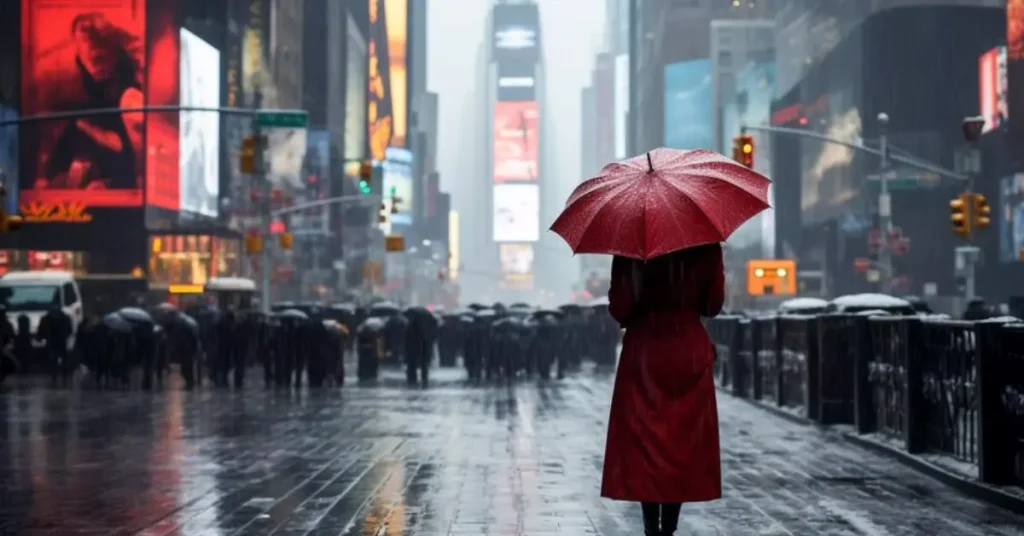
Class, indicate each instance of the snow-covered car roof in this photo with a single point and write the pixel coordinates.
(795, 304)
(873, 300)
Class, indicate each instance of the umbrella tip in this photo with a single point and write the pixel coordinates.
(650, 165)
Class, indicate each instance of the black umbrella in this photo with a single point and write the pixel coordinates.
(477, 306)
(548, 312)
(384, 308)
(520, 305)
(485, 313)
(460, 312)
(135, 315)
(116, 322)
(292, 314)
(164, 308)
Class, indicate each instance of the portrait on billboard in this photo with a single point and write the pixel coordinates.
(993, 88)
(163, 189)
(379, 98)
(1015, 29)
(199, 174)
(79, 56)
(516, 213)
(515, 141)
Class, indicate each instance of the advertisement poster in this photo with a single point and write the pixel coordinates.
(396, 13)
(379, 104)
(516, 33)
(689, 120)
(9, 158)
(993, 88)
(355, 94)
(199, 174)
(163, 154)
(1015, 71)
(516, 213)
(77, 56)
(516, 264)
(398, 183)
(1011, 221)
(515, 141)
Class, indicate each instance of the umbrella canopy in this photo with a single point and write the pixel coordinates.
(484, 313)
(548, 312)
(117, 322)
(384, 308)
(183, 321)
(477, 306)
(520, 305)
(164, 308)
(661, 202)
(136, 315)
(599, 302)
(292, 314)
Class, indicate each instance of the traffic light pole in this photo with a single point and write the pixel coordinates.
(884, 199)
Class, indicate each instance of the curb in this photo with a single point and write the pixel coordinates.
(969, 487)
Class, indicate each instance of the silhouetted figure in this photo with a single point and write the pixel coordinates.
(55, 328)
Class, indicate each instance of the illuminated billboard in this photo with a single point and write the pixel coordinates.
(199, 175)
(516, 213)
(993, 88)
(689, 120)
(516, 33)
(9, 158)
(77, 56)
(516, 265)
(163, 141)
(387, 107)
(1011, 219)
(515, 141)
(355, 93)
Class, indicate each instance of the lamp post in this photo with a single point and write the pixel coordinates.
(884, 207)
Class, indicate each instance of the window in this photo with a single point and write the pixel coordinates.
(29, 297)
(725, 58)
(70, 296)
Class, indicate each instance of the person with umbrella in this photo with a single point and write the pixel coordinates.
(55, 328)
(663, 216)
(144, 336)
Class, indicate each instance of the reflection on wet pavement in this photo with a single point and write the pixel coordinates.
(449, 460)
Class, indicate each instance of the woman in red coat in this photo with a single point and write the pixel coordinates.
(662, 445)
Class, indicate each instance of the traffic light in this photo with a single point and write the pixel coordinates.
(247, 158)
(382, 214)
(743, 150)
(960, 215)
(285, 240)
(8, 222)
(253, 243)
(981, 212)
(394, 243)
(365, 176)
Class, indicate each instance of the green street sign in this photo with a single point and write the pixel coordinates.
(282, 119)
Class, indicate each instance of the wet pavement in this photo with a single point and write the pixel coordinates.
(448, 460)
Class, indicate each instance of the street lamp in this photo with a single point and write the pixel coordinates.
(884, 206)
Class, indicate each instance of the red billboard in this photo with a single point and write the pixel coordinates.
(992, 88)
(515, 141)
(163, 145)
(81, 55)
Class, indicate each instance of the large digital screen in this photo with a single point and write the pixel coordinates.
(396, 13)
(516, 33)
(199, 174)
(387, 107)
(163, 155)
(355, 94)
(398, 182)
(515, 141)
(76, 56)
(516, 264)
(1011, 221)
(516, 213)
(689, 117)
(992, 88)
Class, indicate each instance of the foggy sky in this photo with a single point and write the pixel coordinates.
(571, 32)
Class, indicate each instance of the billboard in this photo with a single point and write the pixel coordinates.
(992, 88)
(9, 158)
(1011, 219)
(388, 83)
(621, 107)
(77, 56)
(516, 213)
(516, 36)
(689, 115)
(516, 265)
(396, 18)
(398, 182)
(199, 172)
(355, 93)
(515, 141)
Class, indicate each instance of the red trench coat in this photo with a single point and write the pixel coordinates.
(663, 430)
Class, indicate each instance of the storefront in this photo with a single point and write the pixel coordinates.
(182, 264)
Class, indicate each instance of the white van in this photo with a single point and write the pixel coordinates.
(33, 293)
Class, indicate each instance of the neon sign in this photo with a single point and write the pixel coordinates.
(59, 212)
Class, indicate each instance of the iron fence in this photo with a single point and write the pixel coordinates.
(934, 385)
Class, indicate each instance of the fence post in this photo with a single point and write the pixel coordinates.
(863, 392)
(756, 342)
(995, 455)
(780, 397)
(739, 376)
(811, 370)
(914, 347)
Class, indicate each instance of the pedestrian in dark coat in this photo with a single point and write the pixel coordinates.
(662, 447)
(55, 328)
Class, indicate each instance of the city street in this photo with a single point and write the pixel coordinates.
(448, 460)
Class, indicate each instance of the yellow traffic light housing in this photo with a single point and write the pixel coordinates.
(253, 243)
(286, 240)
(394, 243)
(960, 215)
(743, 150)
(247, 158)
(366, 170)
(382, 214)
(981, 212)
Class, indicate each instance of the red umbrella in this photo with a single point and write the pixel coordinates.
(661, 202)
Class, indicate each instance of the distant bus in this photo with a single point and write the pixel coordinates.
(771, 277)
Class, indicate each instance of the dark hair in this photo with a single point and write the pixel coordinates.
(673, 280)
